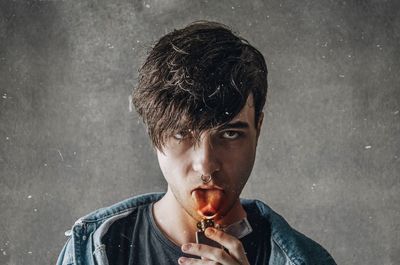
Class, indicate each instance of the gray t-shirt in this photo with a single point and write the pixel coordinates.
(136, 239)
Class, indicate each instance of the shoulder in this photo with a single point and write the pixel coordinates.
(89, 229)
(287, 243)
(121, 207)
(92, 221)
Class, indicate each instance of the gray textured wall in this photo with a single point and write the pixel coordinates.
(329, 156)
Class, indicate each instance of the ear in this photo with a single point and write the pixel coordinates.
(259, 124)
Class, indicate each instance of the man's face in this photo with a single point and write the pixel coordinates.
(226, 153)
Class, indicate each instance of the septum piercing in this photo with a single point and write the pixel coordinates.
(206, 179)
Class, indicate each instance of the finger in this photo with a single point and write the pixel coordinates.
(208, 253)
(191, 261)
(231, 243)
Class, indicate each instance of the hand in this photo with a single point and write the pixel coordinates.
(211, 255)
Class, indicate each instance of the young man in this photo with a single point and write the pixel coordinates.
(201, 94)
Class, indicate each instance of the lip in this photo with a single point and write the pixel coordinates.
(208, 187)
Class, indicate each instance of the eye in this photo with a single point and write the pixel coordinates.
(179, 136)
(230, 135)
(182, 136)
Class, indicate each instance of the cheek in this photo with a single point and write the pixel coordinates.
(172, 167)
(241, 156)
(239, 164)
(163, 162)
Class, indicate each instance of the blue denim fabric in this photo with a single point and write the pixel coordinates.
(84, 246)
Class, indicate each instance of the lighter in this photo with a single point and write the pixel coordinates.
(201, 238)
(238, 229)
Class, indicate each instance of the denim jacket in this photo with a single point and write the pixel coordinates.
(84, 245)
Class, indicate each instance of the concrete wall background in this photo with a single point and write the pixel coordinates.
(329, 154)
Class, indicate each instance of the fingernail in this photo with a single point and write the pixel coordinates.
(186, 247)
(182, 260)
(209, 231)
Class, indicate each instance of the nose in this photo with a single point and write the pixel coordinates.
(205, 157)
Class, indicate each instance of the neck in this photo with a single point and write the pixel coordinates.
(180, 227)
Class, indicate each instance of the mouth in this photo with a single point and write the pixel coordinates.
(208, 200)
(208, 187)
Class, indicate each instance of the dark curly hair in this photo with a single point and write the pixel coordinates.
(197, 78)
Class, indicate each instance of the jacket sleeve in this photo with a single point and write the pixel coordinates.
(66, 254)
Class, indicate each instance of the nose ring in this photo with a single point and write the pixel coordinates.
(206, 179)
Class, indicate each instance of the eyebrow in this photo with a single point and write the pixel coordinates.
(235, 125)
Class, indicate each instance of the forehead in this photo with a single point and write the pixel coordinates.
(245, 115)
